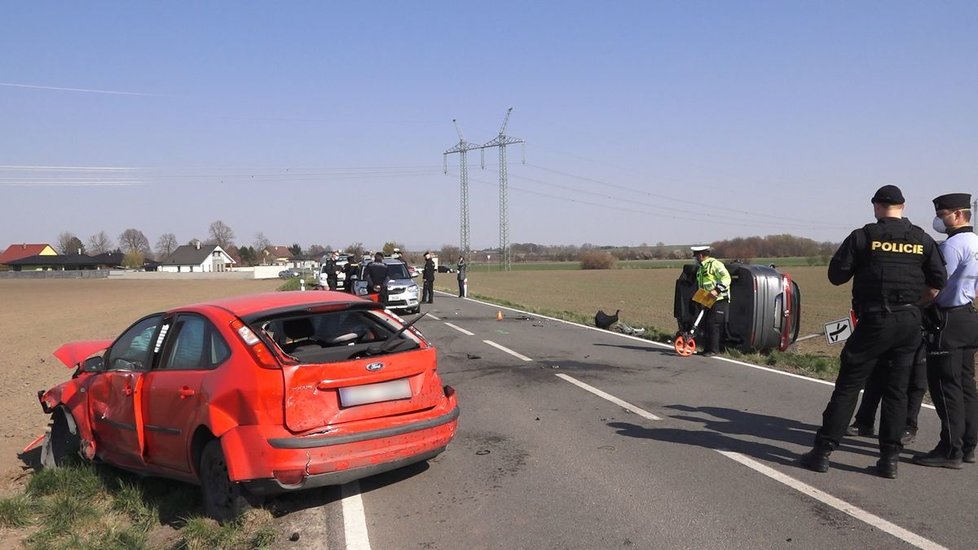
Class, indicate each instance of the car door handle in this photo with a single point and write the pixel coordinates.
(186, 392)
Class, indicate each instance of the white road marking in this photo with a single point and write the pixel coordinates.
(623, 404)
(838, 504)
(662, 345)
(507, 350)
(354, 518)
(460, 329)
(432, 317)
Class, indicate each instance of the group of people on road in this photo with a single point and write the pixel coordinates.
(428, 278)
(916, 327)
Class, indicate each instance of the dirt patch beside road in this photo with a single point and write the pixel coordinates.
(38, 316)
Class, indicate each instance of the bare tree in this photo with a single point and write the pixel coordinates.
(391, 246)
(355, 249)
(100, 243)
(316, 250)
(165, 245)
(133, 240)
(449, 253)
(221, 235)
(69, 243)
(261, 242)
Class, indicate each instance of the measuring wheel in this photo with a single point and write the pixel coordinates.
(684, 344)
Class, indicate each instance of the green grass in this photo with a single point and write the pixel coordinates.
(96, 507)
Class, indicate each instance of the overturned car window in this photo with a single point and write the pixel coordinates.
(337, 335)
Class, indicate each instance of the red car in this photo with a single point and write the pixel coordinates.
(254, 395)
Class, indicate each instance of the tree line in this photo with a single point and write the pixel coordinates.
(136, 250)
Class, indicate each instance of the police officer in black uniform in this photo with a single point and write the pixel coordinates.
(895, 267)
(376, 275)
(329, 267)
(428, 278)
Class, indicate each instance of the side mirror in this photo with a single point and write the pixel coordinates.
(93, 364)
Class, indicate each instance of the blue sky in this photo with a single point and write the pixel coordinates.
(326, 122)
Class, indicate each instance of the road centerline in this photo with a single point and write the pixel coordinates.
(607, 396)
(460, 329)
(507, 350)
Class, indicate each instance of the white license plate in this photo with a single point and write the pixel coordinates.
(375, 393)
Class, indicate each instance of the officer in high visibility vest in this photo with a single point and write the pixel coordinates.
(895, 268)
(713, 277)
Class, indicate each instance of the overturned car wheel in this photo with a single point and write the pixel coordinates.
(224, 500)
(61, 445)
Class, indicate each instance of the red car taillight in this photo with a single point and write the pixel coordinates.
(263, 356)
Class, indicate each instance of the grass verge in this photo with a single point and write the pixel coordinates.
(97, 507)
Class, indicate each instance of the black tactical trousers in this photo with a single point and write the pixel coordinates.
(951, 378)
(714, 321)
(893, 337)
(873, 393)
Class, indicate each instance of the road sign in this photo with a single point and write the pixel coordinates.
(839, 331)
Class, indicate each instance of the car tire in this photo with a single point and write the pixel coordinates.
(224, 500)
(62, 444)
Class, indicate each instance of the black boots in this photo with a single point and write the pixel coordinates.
(886, 466)
(816, 459)
(940, 458)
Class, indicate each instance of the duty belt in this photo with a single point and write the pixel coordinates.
(952, 308)
(889, 308)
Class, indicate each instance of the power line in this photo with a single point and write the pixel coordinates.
(501, 141)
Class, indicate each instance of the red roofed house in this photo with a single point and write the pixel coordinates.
(19, 251)
(276, 255)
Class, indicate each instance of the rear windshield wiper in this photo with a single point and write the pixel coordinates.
(392, 341)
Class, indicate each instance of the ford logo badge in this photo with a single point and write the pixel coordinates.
(374, 367)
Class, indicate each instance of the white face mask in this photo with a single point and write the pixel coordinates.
(938, 225)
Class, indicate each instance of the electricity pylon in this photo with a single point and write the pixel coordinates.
(462, 148)
(501, 141)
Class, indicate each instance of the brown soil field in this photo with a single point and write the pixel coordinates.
(38, 316)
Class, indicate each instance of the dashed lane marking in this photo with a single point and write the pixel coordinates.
(460, 329)
(507, 350)
(623, 404)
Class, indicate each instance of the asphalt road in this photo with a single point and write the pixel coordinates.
(571, 437)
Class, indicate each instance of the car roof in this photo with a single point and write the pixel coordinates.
(250, 304)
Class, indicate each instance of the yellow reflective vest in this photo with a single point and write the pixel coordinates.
(711, 272)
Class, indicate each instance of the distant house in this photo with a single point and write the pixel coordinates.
(20, 251)
(277, 255)
(197, 258)
(67, 262)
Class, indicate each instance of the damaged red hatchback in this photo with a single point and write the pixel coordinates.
(253, 396)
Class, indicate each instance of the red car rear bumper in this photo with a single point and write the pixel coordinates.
(273, 463)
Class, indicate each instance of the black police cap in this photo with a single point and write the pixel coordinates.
(888, 194)
(952, 201)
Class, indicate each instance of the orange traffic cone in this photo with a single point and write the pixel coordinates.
(499, 315)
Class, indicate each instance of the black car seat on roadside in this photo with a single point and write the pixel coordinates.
(300, 332)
